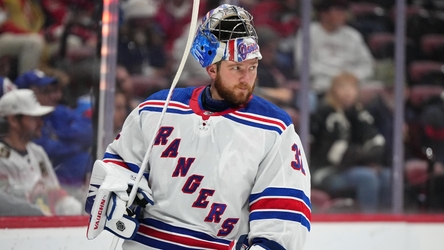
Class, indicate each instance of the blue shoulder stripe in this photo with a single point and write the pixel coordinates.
(281, 192)
(255, 123)
(264, 108)
(262, 114)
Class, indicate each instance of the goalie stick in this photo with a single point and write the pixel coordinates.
(193, 26)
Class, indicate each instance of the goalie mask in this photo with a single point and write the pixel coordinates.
(226, 33)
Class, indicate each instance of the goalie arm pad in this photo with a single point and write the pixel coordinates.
(107, 200)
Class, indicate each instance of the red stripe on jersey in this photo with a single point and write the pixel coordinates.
(231, 50)
(162, 103)
(292, 205)
(177, 239)
(261, 119)
(120, 163)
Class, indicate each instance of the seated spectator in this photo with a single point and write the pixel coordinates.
(275, 81)
(381, 108)
(432, 124)
(26, 172)
(125, 84)
(124, 100)
(334, 47)
(10, 204)
(67, 136)
(20, 24)
(432, 138)
(69, 25)
(121, 108)
(141, 46)
(347, 149)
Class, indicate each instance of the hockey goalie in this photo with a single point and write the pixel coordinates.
(226, 169)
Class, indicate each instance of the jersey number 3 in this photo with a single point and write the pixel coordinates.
(297, 164)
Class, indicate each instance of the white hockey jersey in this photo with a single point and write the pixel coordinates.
(216, 176)
(27, 175)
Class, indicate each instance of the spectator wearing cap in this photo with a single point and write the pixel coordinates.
(67, 136)
(26, 172)
(335, 47)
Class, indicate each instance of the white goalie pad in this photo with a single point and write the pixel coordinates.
(106, 178)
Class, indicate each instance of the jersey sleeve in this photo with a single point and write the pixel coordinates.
(129, 147)
(280, 208)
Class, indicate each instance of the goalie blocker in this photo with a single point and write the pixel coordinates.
(107, 200)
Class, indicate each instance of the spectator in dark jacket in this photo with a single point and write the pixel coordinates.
(347, 149)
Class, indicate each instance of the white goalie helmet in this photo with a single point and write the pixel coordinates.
(226, 33)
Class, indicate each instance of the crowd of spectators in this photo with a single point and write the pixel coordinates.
(52, 47)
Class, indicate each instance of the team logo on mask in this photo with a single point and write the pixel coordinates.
(242, 49)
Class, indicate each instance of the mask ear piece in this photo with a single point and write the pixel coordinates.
(207, 49)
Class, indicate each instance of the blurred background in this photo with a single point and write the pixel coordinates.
(365, 92)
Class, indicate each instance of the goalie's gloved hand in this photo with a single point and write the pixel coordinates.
(257, 244)
(142, 197)
(107, 200)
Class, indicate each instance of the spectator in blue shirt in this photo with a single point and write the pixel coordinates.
(67, 136)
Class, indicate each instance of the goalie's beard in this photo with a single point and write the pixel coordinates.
(230, 94)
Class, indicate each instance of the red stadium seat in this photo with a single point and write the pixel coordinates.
(360, 9)
(381, 44)
(432, 45)
(422, 72)
(416, 171)
(421, 21)
(420, 93)
(369, 18)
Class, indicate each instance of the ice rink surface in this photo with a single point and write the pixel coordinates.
(331, 234)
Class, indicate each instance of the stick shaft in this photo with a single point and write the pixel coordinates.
(165, 106)
(193, 25)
